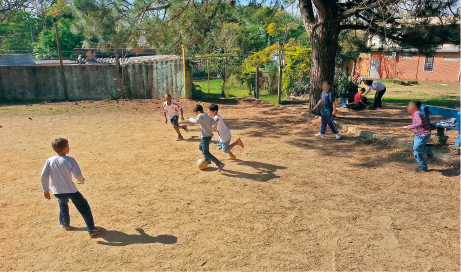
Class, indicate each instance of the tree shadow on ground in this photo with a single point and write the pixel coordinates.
(118, 238)
(219, 101)
(265, 171)
(446, 172)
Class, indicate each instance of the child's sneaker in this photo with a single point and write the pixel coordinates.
(338, 136)
(419, 169)
(95, 232)
(220, 167)
(66, 227)
(232, 157)
(240, 143)
(180, 137)
(320, 135)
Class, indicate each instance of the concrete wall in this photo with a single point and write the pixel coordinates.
(85, 82)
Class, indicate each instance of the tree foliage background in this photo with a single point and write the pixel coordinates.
(323, 32)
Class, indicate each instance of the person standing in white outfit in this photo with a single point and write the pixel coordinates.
(379, 89)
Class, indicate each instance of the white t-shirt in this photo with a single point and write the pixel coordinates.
(171, 110)
(377, 84)
(56, 175)
(224, 132)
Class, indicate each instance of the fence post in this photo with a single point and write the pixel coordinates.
(279, 89)
(184, 69)
(256, 92)
(208, 70)
(63, 76)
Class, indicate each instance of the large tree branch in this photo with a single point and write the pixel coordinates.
(307, 12)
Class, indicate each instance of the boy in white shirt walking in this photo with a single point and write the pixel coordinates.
(170, 110)
(57, 175)
(224, 133)
(206, 126)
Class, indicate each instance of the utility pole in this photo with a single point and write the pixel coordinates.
(63, 76)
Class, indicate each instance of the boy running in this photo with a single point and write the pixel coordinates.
(57, 175)
(327, 100)
(224, 133)
(206, 126)
(422, 133)
(170, 109)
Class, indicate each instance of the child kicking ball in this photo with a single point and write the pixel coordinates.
(206, 126)
(170, 110)
(224, 133)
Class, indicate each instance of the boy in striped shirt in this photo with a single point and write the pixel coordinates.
(422, 133)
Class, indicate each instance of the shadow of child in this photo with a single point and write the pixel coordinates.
(118, 238)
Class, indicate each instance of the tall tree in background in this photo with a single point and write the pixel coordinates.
(422, 24)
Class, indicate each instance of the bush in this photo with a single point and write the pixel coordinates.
(343, 84)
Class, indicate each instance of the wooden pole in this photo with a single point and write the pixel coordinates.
(208, 70)
(279, 85)
(256, 94)
(61, 65)
(184, 68)
(119, 78)
(223, 93)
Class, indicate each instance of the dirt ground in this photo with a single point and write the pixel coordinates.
(290, 202)
(388, 122)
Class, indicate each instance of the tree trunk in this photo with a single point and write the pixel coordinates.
(323, 30)
(324, 39)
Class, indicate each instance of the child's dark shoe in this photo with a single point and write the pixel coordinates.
(95, 232)
(66, 227)
(419, 169)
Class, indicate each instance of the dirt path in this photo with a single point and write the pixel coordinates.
(291, 201)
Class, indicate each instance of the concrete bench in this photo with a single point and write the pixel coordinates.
(427, 111)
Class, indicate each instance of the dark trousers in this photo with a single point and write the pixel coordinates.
(205, 148)
(378, 96)
(328, 120)
(80, 203)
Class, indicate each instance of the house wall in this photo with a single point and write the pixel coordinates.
(85, 82)
(402, 68)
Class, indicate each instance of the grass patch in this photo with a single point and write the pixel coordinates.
(234, 91)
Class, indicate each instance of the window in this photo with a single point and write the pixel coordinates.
(388, 55)
(429, 64)
(450, 57)
(407, 56)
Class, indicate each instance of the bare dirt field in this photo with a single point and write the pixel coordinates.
(290, 202)
(388, 122)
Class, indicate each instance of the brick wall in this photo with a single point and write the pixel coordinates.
(412, 68)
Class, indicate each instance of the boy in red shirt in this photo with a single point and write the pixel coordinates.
(360, 100)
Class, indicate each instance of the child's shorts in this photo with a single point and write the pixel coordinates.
(223, 146)
(175, 120)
